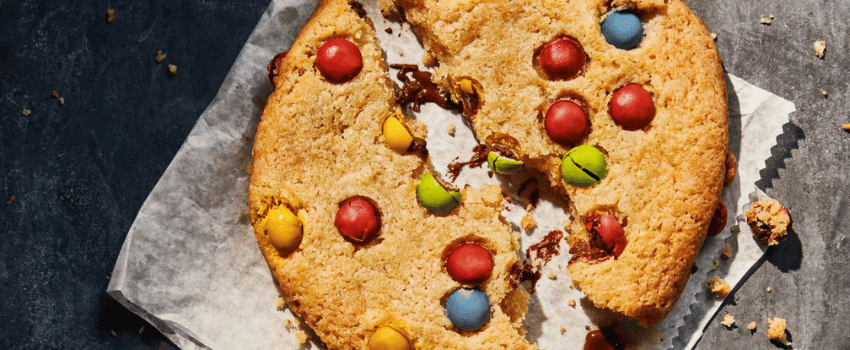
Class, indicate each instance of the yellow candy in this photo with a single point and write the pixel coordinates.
(387, 338)
(284, 229)
(466, 86)
(397, 137)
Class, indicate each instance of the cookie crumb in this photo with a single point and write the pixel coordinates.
(719, 287)
(766, 21)
(142, 330)
(528, 222)
(776, 330)
(752, 327)
(768, 289)
(824, 93)
(26, 112)
(110, 16)
(552, 275)
(727, 251)
(428, 60)
(571, 302)
(114, 334)
(714, 36)
(61, 101)
(452, 129)
(289, 325)
(562, 329)
(281, 304)
(159, 57)
(728, 321)
(172, 70)
(54, 94)
(820, 47)
(769, 221)
(846, 126)
(60, 155)
(301, 337)
(11, 200)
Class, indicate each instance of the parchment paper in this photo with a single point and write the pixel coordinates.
(190, 264)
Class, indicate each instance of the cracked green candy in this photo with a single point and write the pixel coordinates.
(434, 197)
(583, 166)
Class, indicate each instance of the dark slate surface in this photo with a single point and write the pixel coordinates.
(80, 172)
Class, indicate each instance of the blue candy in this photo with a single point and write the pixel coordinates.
(622, 29)
(468, 309)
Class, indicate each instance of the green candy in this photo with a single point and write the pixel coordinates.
(434, 197)
(584, 166)
(503, 165)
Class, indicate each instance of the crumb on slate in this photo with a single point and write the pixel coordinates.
(110, 16)
(728, 321)
(719, 287)
(824, 93)
(54, 94)
(11, 200)
(159, 57)
(752, 326)
(714, 36)
(846, 126)
(776, 330)
(141, 330)
(766, 21)
(25, 112)
(820, 47)
(768, 289)
(61, 101)
(172, 70)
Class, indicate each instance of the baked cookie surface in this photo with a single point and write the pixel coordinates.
(323, 141)
(664, 175)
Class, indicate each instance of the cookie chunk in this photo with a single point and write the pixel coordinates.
(622, 104)
(769, 220)
(333, 200)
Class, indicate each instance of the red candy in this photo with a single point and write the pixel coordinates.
(612, 233)
(718, 221)
(469, 263)
(274, 65)
(357, 220)
(339, 60)
(632, 107)
(561, 59)
(565, 122)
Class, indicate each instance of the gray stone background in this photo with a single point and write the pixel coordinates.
(79, 172)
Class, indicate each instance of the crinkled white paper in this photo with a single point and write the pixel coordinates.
(190, 263)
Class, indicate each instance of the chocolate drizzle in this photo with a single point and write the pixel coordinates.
(479, 157)
(542, 253)
(274, 66)
(418, 88)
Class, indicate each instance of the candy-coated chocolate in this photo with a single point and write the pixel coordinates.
(612, 233)
(469, 263)
(435, 197)
(623, 29)
(718, 221)
(503, 165)
(468, 309)
(275, 64)
(631, 107)
(358, 220)
(565, 122)
(284, 229)
(561, 59)
(584, 166)
(396, 135)
(339, 60)
(388, 338)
